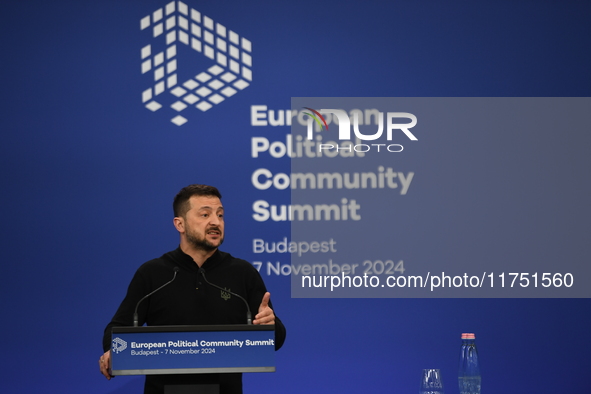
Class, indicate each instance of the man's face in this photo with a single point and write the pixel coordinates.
(204, 223)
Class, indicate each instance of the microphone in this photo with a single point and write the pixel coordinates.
(135, 316)
(248, 314)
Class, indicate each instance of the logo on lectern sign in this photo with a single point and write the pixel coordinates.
(178, 36)
(118, 345)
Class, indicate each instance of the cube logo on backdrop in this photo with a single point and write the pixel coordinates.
(180, 35)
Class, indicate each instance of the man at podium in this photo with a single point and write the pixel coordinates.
(197, 269)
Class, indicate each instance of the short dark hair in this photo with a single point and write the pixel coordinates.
(181, 204)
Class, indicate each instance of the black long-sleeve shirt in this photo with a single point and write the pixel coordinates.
(189, 300)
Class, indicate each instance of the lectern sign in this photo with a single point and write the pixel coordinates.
(192, 349)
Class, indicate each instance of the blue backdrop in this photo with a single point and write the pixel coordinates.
(89, 173)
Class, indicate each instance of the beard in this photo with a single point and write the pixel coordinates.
(201, 243)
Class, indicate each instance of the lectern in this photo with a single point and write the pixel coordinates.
(154, 350)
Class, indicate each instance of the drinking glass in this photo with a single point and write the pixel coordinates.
(431, 382)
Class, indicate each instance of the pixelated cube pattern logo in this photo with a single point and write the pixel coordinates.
(119, 345)
(176, 24)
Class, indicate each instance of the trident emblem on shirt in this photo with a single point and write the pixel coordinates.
(225, 295)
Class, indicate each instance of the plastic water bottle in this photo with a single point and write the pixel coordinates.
(469, 373)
